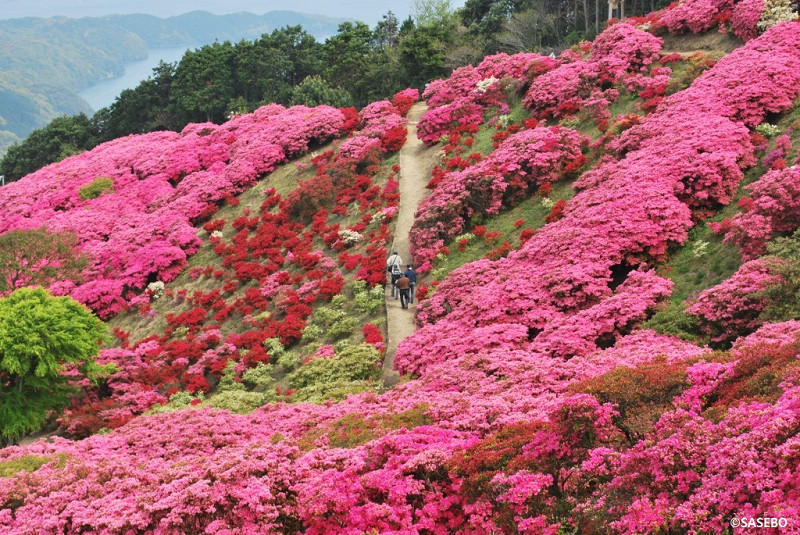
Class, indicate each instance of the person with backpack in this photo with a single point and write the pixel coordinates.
(412, 277)
(393, 264)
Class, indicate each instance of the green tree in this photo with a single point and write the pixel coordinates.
(422, 54)
(314, 91)
(40, 336)
(268, 68)
(37, 257)
(204, 83)
(145, 108)
(62, 137)
(346, 56)
(432, 12)
(386, 32)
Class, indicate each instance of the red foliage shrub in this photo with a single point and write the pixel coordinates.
(351, 120)
(499, 252)
(557, 212)
(211, 226)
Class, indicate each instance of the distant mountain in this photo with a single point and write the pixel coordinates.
(45, 63)
(204, 27)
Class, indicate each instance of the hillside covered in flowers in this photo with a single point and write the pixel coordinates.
(607, 335)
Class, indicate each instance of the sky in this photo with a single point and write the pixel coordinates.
(369, 11)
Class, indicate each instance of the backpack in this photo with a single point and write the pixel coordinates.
(396, 270)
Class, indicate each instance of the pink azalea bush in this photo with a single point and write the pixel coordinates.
(163, 183)
(620, 49)
(746, 14)
(623, 47)
(518, 66)
(520, 164)
(440, 120)
(775, 208)
(459, 100)
(566, 85)
(695, 16)
(732, 307)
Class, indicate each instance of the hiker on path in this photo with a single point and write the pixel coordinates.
(412, 276)
(393, 266)
(404, 284)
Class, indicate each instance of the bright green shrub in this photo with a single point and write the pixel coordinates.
(675, 321)
(338, 376)
(367, 300)
(767, 130)
(96, 188)
(315, 91)
(179, 401)
(27, 463)
(238, 401)
(39, 336)
(259, 378)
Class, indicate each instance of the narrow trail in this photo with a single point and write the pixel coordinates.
(416, 161)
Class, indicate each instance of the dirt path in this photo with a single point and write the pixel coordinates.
(416, 162)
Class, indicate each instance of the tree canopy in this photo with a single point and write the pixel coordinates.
(41, 338)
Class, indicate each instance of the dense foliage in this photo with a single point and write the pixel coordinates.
(46, 343)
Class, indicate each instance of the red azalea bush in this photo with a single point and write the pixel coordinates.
(403, 100)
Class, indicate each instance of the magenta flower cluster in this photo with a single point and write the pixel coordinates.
(162, 183)
(521, 163)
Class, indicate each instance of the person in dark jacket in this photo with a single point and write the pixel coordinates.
(403, 284)
(412, 276)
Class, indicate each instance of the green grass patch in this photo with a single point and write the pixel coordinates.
(96, 188)
(28, 463)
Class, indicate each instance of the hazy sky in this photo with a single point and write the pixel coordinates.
(368, 11)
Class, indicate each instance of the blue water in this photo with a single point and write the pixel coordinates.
(103, 94)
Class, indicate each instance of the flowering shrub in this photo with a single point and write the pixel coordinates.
(460, 101)
(520, 66)
(162, 183)
(538, 407)
(438, 121)
(696, 16)
(403, 100)
(775, 12)
(521, 164)
(567, 85)
(622, 48)
(732, 307)
(774, 207)
(746, 15)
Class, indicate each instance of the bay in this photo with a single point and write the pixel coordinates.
(103, 94)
